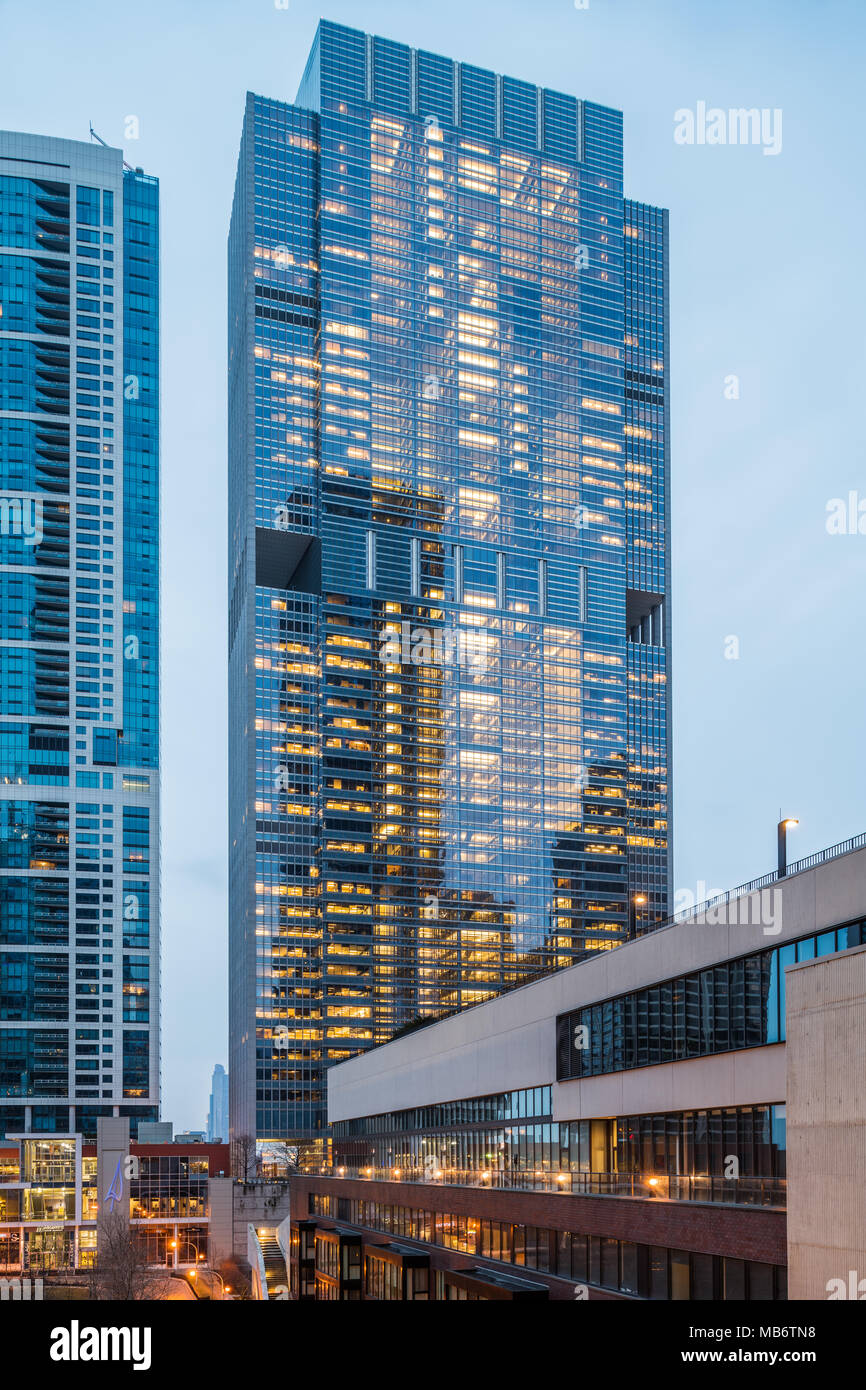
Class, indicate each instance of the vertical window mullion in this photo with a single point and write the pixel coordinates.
(415, 567)
(371, 559)
(501, 579)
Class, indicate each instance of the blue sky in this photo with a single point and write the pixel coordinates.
(766, 284)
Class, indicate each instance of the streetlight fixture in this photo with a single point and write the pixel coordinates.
(200, 1259)
(782, 840)
(198, 1254)
(637, 900)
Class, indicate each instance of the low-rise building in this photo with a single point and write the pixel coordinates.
(50, 1200)
(618, 1129)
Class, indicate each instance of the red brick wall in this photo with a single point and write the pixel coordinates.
(746, 1233)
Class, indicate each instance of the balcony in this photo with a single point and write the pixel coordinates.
(742, 1192)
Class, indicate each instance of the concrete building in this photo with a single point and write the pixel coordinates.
(826, 1082)
(618, 1129)
(251, 1221)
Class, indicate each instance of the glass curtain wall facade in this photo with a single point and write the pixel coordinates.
(736, 1004)
(79, 661)
(511, 1140)
(647, 473)
(447, 556)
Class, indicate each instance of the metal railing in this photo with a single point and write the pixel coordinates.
(545, 954)
(747, 1191)
(798, 867)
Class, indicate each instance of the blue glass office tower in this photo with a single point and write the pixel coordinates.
(79, 622)
(448, 557)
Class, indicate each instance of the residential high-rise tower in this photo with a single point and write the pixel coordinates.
(79, 657)
(448, 557)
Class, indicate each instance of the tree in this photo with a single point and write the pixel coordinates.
(244, 1158)
(279, 1159)
(235, 1276)
(121, 1271)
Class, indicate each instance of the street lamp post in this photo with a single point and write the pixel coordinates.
(782, 841)
(215, 1272)
(189, 1241)
(637, 900)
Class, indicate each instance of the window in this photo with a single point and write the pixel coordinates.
(733, 1280)
(680, 1283)
(739, 1003)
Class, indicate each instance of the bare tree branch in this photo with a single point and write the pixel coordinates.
(121, 1271)
(279, 1159)
(244, 1158)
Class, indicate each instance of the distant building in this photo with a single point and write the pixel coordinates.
(156, 1132)
(218, 1112)
(190, 1136)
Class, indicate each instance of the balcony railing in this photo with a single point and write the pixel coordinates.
(800, 866)
(745, 1192)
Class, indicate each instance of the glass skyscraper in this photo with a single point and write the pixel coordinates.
(448, 557)
(218, 1110)
(79, 622)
